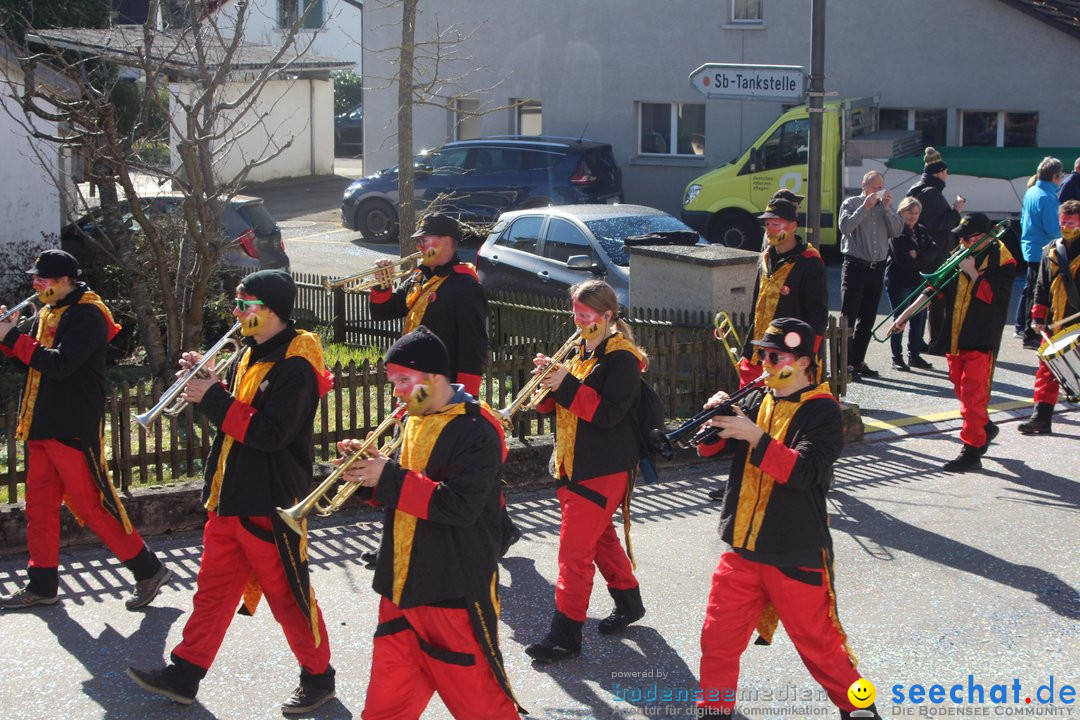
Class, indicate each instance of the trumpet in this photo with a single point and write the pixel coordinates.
(27, 303)
(665, 443)
(317, 499)
(728, 336)
(531, 394)
(367, 279)
(934, 282)
(170, 403)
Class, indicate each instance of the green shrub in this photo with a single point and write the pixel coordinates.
(348, 90)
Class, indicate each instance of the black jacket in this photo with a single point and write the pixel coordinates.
(976, 322)
(902, 270)
(457, 314)
(938, 215)
(792, 520)
(1052, 303)
(270, 462)
(804, 294)
(69, 404)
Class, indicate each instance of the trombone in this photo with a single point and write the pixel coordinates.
(726, 333)
(27, 303)
(317, 500)
(531, 394)
(934, 282)
(367, 279)
(170, 403)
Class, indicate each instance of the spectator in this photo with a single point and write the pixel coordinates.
(867, 221)
(909, 254)
(1038, 226)
(1070, 188)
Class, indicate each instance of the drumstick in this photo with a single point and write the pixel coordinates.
(1061, 322)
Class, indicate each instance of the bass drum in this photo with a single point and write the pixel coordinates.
(1062, 357)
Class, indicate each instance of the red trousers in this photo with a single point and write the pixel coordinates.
(970, 372)
(1046, 385)
(231, 553)
(404, 675)
(53, 471)
(740, 590)
(588, 540)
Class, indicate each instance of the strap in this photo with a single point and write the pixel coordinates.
(1066, 273)
(400, 624)
(579, 489)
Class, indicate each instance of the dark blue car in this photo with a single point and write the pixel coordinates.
(477, 180)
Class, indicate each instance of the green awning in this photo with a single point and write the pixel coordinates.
(1005, 163)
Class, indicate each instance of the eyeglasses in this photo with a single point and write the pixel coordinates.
(773, 356)
(243, 305)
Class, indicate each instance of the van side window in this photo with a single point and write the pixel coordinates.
(522, 234)
(563, 240)
(788, 145)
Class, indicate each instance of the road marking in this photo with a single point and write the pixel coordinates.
(870, 425)
(307, 238)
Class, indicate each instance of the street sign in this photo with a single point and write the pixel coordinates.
(750, 82)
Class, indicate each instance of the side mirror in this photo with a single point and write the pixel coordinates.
(584, 262)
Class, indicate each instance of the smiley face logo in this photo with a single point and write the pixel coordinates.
(862, 693)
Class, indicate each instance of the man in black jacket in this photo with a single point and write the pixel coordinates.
(261, 459)
(775, 520)
(62, 420)
(437, 570)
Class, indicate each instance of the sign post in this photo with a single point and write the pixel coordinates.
(750, 82)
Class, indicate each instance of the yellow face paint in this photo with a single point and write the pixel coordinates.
(776, 239)
(592, 324)
(46, 289)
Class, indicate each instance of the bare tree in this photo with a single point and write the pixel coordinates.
(195, 74)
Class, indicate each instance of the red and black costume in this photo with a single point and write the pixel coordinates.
(449, 301)
(775, 519)
(261, 458)
(790, 284)
(1051, 302)
(974, 318)
(62, 420)
(437, 570)
(596, 454)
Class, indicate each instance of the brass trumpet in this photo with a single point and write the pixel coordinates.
(365, 280)
(170, 402)
(27, 303)
(316, 500)
(531, 394)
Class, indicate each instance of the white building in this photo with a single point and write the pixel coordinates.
(963, 71)
(330, 27)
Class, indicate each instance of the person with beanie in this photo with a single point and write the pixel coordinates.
(437, 567)
(62, 422)
(1056, 298)
(939, 217)
(1038, 227)
(593, 395)
(260, 459)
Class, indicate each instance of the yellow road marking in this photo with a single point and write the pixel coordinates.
(872, 425)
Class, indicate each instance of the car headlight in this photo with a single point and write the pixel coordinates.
(691, 194)
(348, 193)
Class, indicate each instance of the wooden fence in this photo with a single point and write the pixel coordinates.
(686, 365)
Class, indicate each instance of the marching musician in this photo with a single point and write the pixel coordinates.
(1056, 297)
(775, 521)
(261, 458)
(446, 297)
(975, 308)
(62, 420)
(593, 395)
(437, 567)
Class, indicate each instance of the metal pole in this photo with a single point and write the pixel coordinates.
(815, 104)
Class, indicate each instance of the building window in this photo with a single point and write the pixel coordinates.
(466, 118)
(672, 129)
(931, 123)
(528, 117)
(746, 11)
(983, 128)
(290, 10)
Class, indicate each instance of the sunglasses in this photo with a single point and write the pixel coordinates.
(773, 356)
(244, 305)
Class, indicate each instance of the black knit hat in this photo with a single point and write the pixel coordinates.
(933, 162)
(789, 335)
(55, 264)
(420, 350)
(275, 288)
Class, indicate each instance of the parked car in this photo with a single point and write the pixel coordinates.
(546, 250)
(486, 177)
(257, 243)
(349, 130)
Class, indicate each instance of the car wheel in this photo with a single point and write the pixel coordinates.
(735, 230)
(377, 221)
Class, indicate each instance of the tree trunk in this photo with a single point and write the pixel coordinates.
(406, 178)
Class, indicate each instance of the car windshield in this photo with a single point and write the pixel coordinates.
(612, 232)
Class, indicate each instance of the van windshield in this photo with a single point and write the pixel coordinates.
(611, 233)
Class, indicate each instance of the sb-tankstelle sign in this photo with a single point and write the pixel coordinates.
(750, 82)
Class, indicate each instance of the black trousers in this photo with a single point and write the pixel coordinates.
(860, 293)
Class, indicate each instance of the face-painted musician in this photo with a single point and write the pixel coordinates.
(774, 519)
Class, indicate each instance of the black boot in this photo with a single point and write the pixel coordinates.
(563, 641)
(992, 431)
(968, 459)
(510, 533)
(628, 609)
(178, 681)
(1039, 424)
(312, 692)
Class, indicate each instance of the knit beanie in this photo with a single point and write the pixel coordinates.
(420, 350)
(275, 288)
(932, 162)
